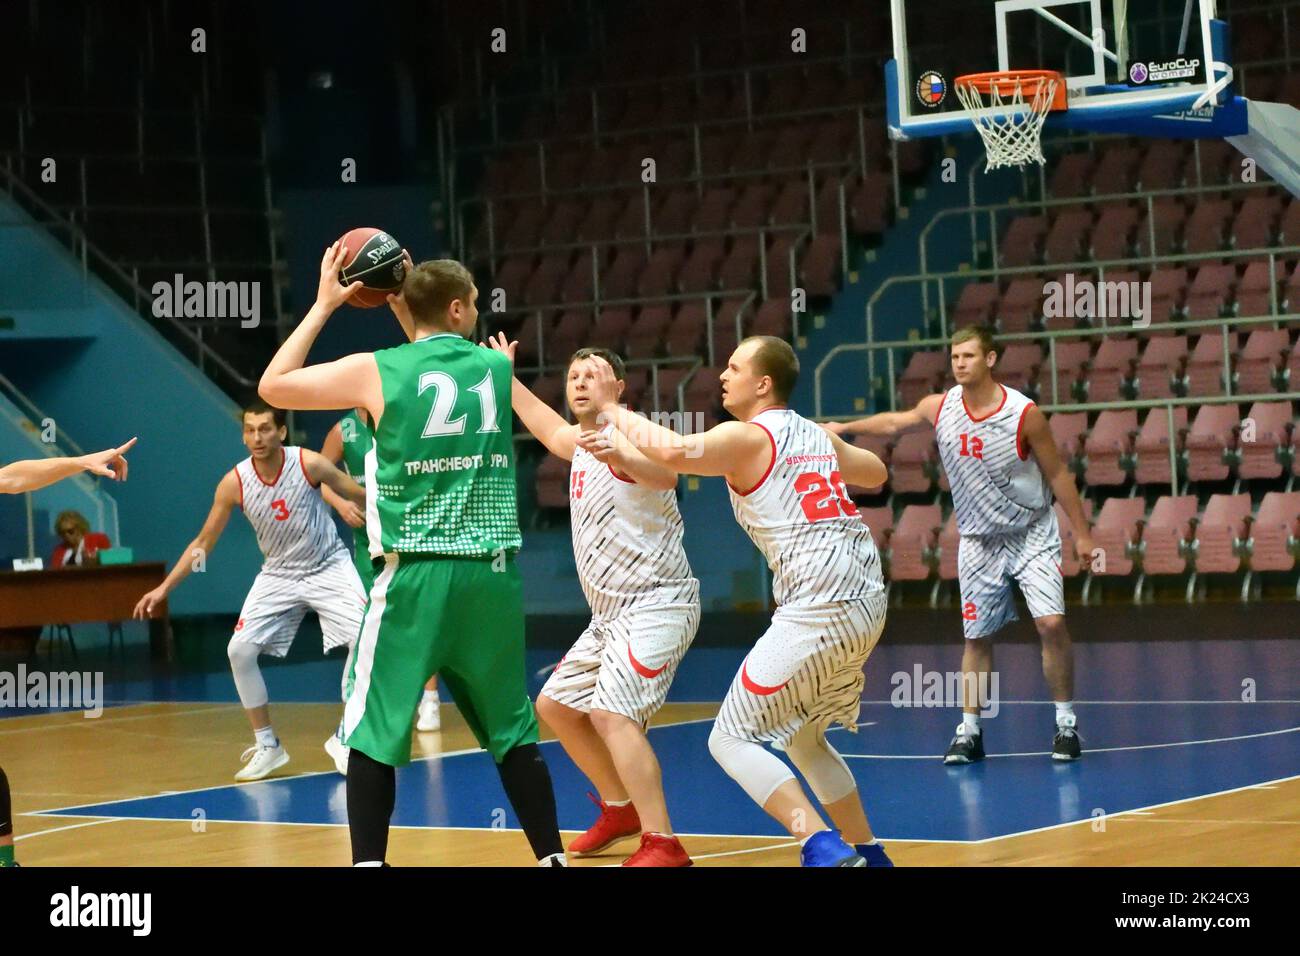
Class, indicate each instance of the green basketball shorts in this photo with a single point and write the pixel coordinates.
(453, 617)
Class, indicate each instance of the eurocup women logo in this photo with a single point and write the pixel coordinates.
(1138, 73)
(931, 89)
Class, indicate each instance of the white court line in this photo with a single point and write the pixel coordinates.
(1122, 813)
(1091, 750)
(295, 776)
(1258, 823)
(103, 720)
(70, 826)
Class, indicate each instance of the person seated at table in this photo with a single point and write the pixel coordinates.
(80, 546)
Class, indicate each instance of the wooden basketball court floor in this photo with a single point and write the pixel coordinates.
(1178, 779)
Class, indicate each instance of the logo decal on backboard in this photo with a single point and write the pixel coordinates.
(931, 89)
(1180, 68)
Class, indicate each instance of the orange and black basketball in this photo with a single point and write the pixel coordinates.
(374, 258)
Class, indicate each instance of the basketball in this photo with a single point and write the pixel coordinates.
(374, 258)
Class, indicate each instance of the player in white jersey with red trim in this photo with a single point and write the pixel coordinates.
(986, 433)
(645, 609)
(306, 567)
(787, 478)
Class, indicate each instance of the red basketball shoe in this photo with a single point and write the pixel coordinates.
(659, 850)
(613, 824)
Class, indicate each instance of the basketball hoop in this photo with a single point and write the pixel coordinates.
(1009, 109)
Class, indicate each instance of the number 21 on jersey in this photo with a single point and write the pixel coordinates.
(445, 391)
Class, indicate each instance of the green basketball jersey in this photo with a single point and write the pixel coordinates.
(357, 441)
(440, 478)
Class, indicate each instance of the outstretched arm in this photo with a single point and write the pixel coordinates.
(542, 421)
(226, 499)
(350, 382)
(21, 476)
(323, 473)
(1038, 437)
(620, 454)
(859, 466)
(891, 424)
(332, 451)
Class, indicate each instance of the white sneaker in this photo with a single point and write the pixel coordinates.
(262, 761)
(429, 716)
(339, 752)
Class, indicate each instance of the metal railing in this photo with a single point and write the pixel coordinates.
(106, 517)
(1228, 325)
(707, 298)
(1100, 267)
(976, 213)
(551, 91)
(209, 361)
(696, 178)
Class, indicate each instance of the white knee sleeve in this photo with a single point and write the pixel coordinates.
(248, 676)
(827, 774)
(749, 764)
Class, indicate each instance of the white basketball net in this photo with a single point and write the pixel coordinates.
(1012, 129)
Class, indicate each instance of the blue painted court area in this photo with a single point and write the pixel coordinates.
(1160, 722)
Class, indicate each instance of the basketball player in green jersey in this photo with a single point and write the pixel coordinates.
(348, 441)
(15, 479)
(441, 516)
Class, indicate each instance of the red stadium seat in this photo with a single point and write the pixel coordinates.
(911, 546)
(1161, 365)
(1262, 357)
(1117, 529)
(1070, 566)
(1112, 366)
(1167, 534)
(552, 483)
(1266, 434)
(914, 461)
(1108, 445)
(1212, 437)
(1068, 430)
(1275, 532)
(881, 523)
(1152, 445)
(1221, 532)
(1205, 366)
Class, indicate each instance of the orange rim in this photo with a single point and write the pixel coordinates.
(1006, 81)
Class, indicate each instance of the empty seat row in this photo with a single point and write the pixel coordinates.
(1261, 361)
(1226, 536)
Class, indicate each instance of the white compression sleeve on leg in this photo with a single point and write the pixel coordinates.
(749, 764)
(248, 676)
(827, 774)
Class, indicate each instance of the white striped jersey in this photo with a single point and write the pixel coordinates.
(995, 486)
(802, 519)
(627, 541)
(292, 522)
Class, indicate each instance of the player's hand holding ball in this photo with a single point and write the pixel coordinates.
(331, 293)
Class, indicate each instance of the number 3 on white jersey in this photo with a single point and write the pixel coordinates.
(444, 401)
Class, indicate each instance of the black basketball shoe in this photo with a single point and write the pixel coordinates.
(1065, 745)
(965, 747)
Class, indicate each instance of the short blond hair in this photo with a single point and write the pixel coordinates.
(982, 333)
(775, 358)
(431, 287)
